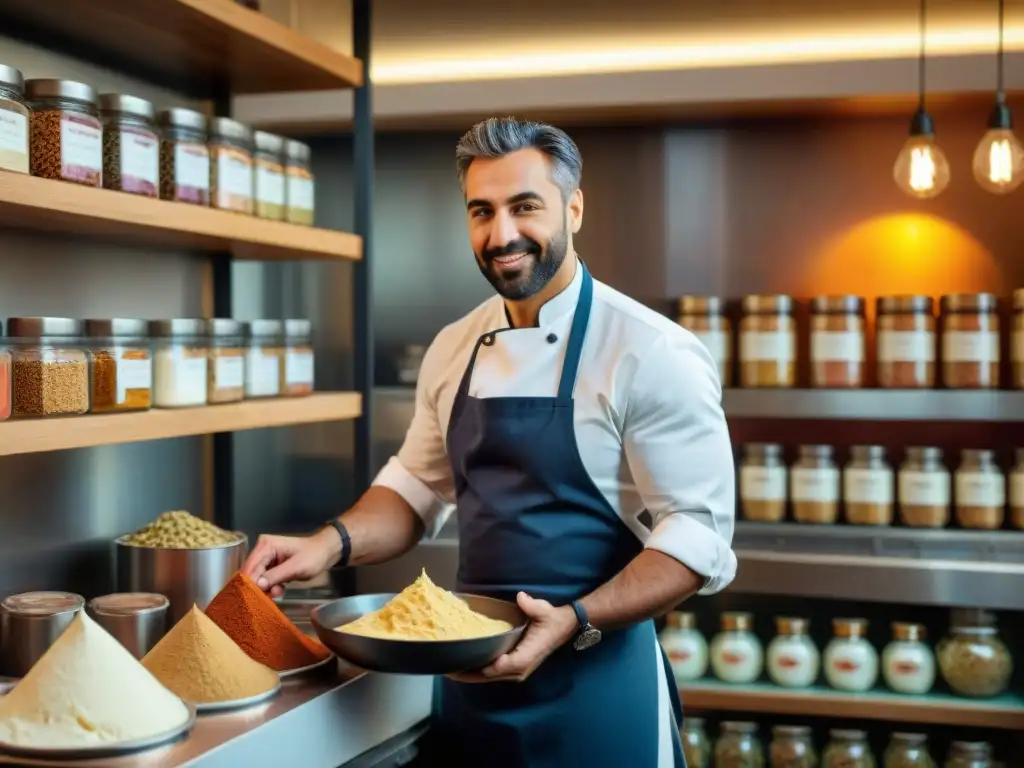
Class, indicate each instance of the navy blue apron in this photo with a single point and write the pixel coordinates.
(531, 519)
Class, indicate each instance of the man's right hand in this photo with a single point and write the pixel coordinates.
(276, 560)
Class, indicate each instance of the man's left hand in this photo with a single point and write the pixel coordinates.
(548, 630)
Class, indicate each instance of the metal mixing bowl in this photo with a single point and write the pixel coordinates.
(415, 657)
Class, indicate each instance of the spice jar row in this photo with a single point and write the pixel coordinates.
(793, 746)
(972, 659)
(869, 491)
(961, 349)
(63, 130)
(58, 366)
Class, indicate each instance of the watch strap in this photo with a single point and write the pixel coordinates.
(581, 614)
(346, 540)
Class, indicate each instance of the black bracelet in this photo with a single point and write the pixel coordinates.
(346, 541)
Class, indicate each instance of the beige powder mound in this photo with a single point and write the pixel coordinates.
(201, 664)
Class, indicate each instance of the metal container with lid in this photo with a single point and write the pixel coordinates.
(298, 374)
(120, 365)
(268, 176)
(180, 362)
(137, 619)
(705, 318)
(66, 134)
(184, 156)
(264, 358)
(14, 150)
(231, 165)
(299, 183)
(226, 372)
(49, 367)
(30, 623)
(131, 146)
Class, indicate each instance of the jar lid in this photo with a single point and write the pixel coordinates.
(1018, 299)
(223, 327)
(179, 117)
(298, 329)
(12, 78)
(128, 603)
(916, 739)
(737, 621)
(692, 722)
(700, 305)
(977, 456)
(738, 726)
(792, 625)
(296, 150)
(262, 329)
(117, 326)
(682, 620)
(43, 603)
(35, 327)
(127, 105)
(974, 631)
(763, 450)
(924, 454)
(792, 731)
(177, 327)
(868, 452)
(904, 305)
(977, 748)
(848, 734)
(762, 305)
(838, 305)
(268, 142)
(225, 127)
(51, 88)
(816, 451)
(909, 632)
(849, 627)
(969, 302)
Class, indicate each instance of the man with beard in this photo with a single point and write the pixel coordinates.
(552, 416)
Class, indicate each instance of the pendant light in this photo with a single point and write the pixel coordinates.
(921, 168)
(998, 162)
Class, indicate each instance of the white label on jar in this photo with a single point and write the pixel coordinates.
(814, 484)
(980, 489)
(1017, 489)
(924, 489)
(132, 374)
(81, 148)
(13, 141)
(140, 162)
(234, 176)
(191, 169)
(262, 375)
(300, 192)
(841, 346)
(762, 483)
(868, 486)
(906, 347)
(298, 368)
(773, 346)
(229, 372)
(716, 342)
(187, 380)
(1017, 347)
(269, 185)
(970, 347)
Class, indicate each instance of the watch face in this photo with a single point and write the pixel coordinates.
(587, 638)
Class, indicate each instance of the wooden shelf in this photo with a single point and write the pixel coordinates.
(198, 46)
(55, 206)
(1006, 711)
(37, 435)
(874, 404)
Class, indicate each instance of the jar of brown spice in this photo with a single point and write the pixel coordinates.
(763, 483)
(980, 490)
(924, 488)
(65, 129)
(868, 487)
(1017, 491)
(970, 341)
(814, 485)
(131, 148)
(120, 365)
(905, 342)
(837, 341)
(231, 166)
(704, 317)
(184, 157)
(1017, 340)
(767, 342)
(49, 367)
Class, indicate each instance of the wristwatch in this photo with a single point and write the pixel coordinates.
(346, 541)
(589, 635)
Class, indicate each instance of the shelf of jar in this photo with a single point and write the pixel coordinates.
(56, 434)
(199, 47)
(875, 404)
(1006, 711)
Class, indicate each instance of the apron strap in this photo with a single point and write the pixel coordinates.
(574, 347)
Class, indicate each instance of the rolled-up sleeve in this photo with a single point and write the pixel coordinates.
(680, 456)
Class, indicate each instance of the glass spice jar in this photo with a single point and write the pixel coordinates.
(14, 120)
(793, 658)
(905, 342)
(838, 339)
(974, 661)
(969, 754)
(298, 358)
(299, 183)
(970, 341)
(226, 372)
(767, 342)
(131, 147)
(268, 176)
(1016, 339)
(763, 483)
(738, 747)
(696, 747)
(1017, 491)
(847, 748)
(736, 653)
(5, 383)
(49, 367)
(704, 317)
(685, 646)
(120, 365)
(924, 489)
(980, 490)
(184, 157)
(180, 362)
(792, 747)
(264, 358)
(851, 662)
(908, 750)
(66, 136)
(908, 664)
(868, 487)
(814, 486)
(231, 163)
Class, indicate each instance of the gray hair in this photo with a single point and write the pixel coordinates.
(500, 136)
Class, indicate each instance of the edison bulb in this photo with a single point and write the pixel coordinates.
(999, 161)
(921, 169)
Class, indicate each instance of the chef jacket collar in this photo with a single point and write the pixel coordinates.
(557, 307)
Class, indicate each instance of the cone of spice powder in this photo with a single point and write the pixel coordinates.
(253, 620)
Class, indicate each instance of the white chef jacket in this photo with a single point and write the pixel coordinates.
(649, 422)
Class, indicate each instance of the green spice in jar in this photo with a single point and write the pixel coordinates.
(848, 749)
(908, 750)
(792, 747)
(180, 530)
(738, 747)
(696, 748)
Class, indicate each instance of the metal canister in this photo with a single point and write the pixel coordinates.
(137, 619)
(30, 623)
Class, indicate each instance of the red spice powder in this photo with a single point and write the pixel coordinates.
(252, 619)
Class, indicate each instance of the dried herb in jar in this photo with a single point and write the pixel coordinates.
(184, 157)
(131, 149)
(66, 135)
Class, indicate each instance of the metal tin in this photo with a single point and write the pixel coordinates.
(30, 623)
(137, 619)
(232, 131)
(12, 80)
(180, 118)
(125, 104)
(50, 88)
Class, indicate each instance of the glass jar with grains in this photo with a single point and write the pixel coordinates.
(49, 367)
(868, 487)
(974, 661)
(14, 119)
(763, 483)
(696, 747)
(226, 372)
(184, 157)
(298, 192)
(970, 754)
(851, 661)
(905, 342)
(970, 341)
(738, 747)
(66, 134)
(704, 317)
(264, 357)
(298, 357)
(230, 165)
(814, 486)
(685, 646)
(268, 178)
(847, 748)
(1017, 491)
(793, 658)
(792, 747)
(838, 338)
(120, 365)
(979, 490)
(1016, 339)
(908, 750)
(767, 342)
(131, 147)
(180, 362)
(908, 664)
(924, 488)
(736, 654)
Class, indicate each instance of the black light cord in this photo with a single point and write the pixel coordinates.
(921, 57)
(1000, 94)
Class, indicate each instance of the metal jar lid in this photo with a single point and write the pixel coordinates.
(226, 128)
(912, 739)
(909, 632)
(868, 452)
(848, 734)
(738, 726)
(700, 305)
(849, 627)
(924, 454)
(764, 451)
(51, 88)
(43, 603)
(822, 452)
(179, 117)
(682, 620)
(298, 329)
(297, 151)
(12, 79)
(268, 142)
(223, 328)
(979, 456)
(792, 625)
(127, 105)
(969, 302)
(128, 604)
(177, 327)
(737, 621)
(837, 305)
(904, 305)
(37, 327)
(263, 329)
(119, 327)
(792, 731)
(767, 305)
